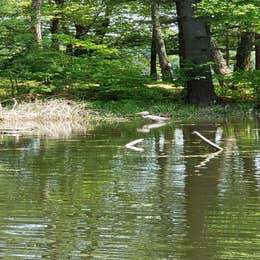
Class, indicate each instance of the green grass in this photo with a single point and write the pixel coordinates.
(180, 111)
(169, 102)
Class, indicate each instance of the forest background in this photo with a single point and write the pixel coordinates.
(130, 54)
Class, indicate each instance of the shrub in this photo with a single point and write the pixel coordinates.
(248, 82)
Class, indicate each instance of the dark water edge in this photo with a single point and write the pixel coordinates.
(88, 197)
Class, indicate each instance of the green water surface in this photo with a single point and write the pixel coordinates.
(89, 197)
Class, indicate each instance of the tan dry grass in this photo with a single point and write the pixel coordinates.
(53, 118)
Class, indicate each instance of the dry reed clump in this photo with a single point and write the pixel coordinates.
(53, 117)
(51, 110)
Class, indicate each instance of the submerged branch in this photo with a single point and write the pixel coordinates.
(132, 146)
(209, 157)
(208, 141)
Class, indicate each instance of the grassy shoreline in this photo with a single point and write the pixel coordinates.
(96, 111)
(80, 111)
(180, 111)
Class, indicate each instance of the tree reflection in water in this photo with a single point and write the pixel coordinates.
(88, 196)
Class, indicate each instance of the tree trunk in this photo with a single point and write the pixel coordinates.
(81, 32)
(220, 66)
(69, 46)
(257, 51)
(216, 56)
(153, 67)
(165, 65)
(194, 44)
(244, 49)
(54, 29)
(102, 29)
(227, 47)
(69, 49)
(36, 20)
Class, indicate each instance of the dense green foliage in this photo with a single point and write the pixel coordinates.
(44, 69)
(229, 22)
(239, 14)
(95, 49)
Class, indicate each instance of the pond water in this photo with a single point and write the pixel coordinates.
(89, 197)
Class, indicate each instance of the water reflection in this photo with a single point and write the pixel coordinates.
(88, 196)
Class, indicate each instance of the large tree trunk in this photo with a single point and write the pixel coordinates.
(244, 50)
(257, 51)
(194, 44)
(153, 67)
(36, 20)
(220, 65)
(165, 65)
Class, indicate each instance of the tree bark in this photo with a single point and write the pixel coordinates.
(153, 67)
(244, 50)
(54, 27)
(81, 32)
(216, 56)
(36, 20)
(165, 65)
(257, 51)
(194, 42)
(220, 65)
(227, 47)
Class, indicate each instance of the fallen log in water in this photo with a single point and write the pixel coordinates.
(208, 141)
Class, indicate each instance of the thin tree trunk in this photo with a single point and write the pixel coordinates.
(227, 49)
(102, 29)
(257, 51)
(65, 30)
(244, 50)
(194, 44)
(36, 20)
(81, 32)
(69, 49)
(54, 29)
(153, 67)
(165, 65)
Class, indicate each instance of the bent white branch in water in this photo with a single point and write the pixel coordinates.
(208, 141)
(132, 144)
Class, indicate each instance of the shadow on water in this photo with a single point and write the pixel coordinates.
(87, 196)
